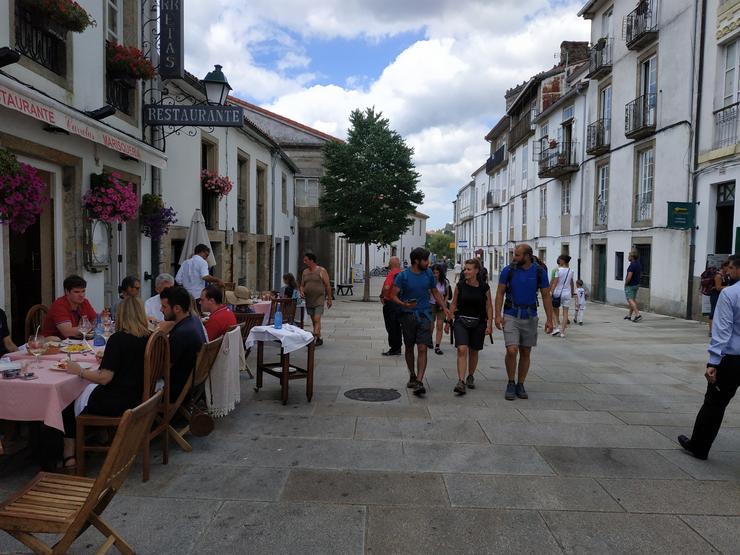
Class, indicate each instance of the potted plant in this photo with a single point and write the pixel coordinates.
(553, 143)
(23, 193)
(127, 62)
(211, 181)
(155, 219)
(110, 199)
(60, 15)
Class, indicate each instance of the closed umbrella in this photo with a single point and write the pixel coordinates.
(197, 235)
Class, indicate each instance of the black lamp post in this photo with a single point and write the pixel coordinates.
(217, 87)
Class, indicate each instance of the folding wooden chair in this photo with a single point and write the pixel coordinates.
(156, 359)
(68, 505)
(34, 319)
(249, 321)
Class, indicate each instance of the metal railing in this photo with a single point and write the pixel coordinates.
(600, 56)
(640, 23)
(558, 157)
(639, 115)
(725, 126)
(598, 135)
(643, 207)
(119, 94)
(36, 41)
(496, 159)
(602, 212)
(521, 130)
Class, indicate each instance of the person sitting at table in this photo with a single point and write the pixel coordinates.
(153, 305)
(221, 318)
(186, 337)
(6, 343)
(119, 382)
(66, 312)
(290, 289)
(130, 287)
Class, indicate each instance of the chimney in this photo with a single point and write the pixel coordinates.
(572, 52)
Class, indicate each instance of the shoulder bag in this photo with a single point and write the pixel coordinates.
(556, 298)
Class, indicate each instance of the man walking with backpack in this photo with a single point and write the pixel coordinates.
(519, 283)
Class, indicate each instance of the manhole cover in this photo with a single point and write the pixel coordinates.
(372, 394)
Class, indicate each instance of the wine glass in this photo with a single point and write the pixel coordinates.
(36, 346)
(85, 327)
(107, 323)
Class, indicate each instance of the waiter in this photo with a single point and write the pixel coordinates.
(723, 368)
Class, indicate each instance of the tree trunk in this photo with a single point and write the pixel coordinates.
(366, 293)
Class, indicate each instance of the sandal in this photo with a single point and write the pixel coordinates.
(70, 469)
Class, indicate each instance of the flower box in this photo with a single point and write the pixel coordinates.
(214, 183)
(127, 62)
(23, 193)
(60, 16)
(110, 199)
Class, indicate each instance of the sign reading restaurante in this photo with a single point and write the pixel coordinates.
(198, 115)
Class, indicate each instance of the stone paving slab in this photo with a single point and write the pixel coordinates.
(728, 439)
(370, 409)
(570, 416)
(721, 465)
(453, 431)
(326, 427)
(723, 532)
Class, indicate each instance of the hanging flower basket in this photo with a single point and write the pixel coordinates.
(23, 193)
(61, 15)
(127, 62)
(111, 200)
(155, 219)
(220, 185)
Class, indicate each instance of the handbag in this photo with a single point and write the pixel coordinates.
(556, 298)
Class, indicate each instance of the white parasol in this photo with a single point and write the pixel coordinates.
(197, 234)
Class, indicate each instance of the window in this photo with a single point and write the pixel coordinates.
(544, 131)
(525, 160)
(284, 194)
(606, 23)
(565, 249)
(307, 192)
(512, 173)
(602, 195)
(569, 112)
(565, 198)
(619, 266)
(208, 199)
(524, 211)
(645, 176)
(605, 103)
(504, 183)
(511, 216)
(543, 202)
(242, 199)
(114, 21)
(649, 76)
(732, 86)
(644, 252)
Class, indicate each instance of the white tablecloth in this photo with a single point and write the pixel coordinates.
(292, 338)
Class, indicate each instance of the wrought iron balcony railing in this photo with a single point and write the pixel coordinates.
(725, 126)
(598, 137)
(558, 159)
(600, 58)
(640, 26)
(639, 116)
(37, 41)
(119, 93)
(496, 160)
(521, 130)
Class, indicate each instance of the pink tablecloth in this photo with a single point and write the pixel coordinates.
(42, 399)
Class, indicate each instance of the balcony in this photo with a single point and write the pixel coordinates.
(119, 93)
(36, 40)
(496, 160)
(602, 212)
(600, 59)
(598, 137)
(558, 159)
(640, 26)
(492, 199)
(725, 126)
(639, 116)
(521, 131)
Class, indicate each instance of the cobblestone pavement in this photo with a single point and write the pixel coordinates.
(588, 464)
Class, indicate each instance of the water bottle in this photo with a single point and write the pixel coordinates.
(278, 318)
(99, 340)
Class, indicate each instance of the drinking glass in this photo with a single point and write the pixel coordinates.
(85, 327)
(36, 346)
(107, 323)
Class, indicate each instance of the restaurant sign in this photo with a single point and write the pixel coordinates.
(171, 62)
(681, 215)
(198, 115)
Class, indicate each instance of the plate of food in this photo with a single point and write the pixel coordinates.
(61, 366)
(75, 349)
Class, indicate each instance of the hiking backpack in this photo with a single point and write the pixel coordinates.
(541, 273)
(706, 285)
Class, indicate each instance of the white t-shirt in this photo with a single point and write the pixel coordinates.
(581, 294)
(564, 284)
(153, 308)
(191, 274)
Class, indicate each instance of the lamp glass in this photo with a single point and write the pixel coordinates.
(217, 87)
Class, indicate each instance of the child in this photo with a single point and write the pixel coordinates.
(580, 302)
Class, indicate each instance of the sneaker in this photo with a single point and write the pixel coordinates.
(460, 388)
(556, 332)
(628, 317)
(412, 381)
(562, 335)
(686, 444)
(637, 318)
(391, 353)
(470, 382)
(510, 391)
(521, 392)
(580, 323)
(419, 389)
(438, 351)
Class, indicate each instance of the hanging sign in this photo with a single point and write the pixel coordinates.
(681, 215)
(200, 115)
(171, 25)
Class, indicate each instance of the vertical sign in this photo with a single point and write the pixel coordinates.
(171, 55)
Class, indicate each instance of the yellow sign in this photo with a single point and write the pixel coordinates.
(452, 245)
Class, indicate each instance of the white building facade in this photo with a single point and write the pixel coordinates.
(415, 236)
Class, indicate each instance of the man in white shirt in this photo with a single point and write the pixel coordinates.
(193, 274)
(153, 305)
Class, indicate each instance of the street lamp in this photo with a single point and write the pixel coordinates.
(217, 87)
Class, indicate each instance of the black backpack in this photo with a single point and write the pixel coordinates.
(541, 273)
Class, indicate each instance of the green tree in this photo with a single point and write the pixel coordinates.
(370, 187)
(438, 242)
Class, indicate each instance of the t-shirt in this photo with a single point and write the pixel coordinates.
(581, 296)
(61, 311)
(442, 288)
(415, 286)
(636, 270)
(219, 322)
(472, 301)
(4, 332)
(564, 284)
(186, 339)
(523, 289)
(191, 274)
(153, 308)
(388, 283)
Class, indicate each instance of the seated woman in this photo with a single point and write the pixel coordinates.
(119, 383)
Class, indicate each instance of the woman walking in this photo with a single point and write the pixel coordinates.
(473, 310)
(562, 291)
(438, 313)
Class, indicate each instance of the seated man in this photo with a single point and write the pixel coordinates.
(186, 337)
(6, 343)
(66, 312)
(221, 317)
(153, 305)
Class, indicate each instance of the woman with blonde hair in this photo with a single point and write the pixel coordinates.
(119, 382)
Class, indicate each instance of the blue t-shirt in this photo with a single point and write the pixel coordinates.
(416, 286)
(636, 270)
(524, 288)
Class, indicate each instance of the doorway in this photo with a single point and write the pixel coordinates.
(725, 218)
(599, 287)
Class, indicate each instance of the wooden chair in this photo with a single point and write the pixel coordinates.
(287, 307)
(249, 320)
(34, 319)
(68, 505)
(156, 359)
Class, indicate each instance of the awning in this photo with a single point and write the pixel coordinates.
(16, 96)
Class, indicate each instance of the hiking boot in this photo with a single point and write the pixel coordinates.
(460, 388)
(412, 381)
(470, 382)
(510, 391)
(521, 392)
(637, 318)
(419, 389)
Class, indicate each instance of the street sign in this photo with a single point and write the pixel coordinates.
(172, 49)
(452, 244)
(200, 115)
(681, 215)
(462, 244)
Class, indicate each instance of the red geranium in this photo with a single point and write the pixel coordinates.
(65, 13)
(127, 61)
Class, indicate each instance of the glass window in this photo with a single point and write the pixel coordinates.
(565, 198)
(284, 194)
(524, 210)
(619, 266)
(645, 176)
(602, 195)
(605, 103)
(544, 131)
(512, 173)
(525, 159)
(644, 251)
(731, 72)
(113, 21)
(307, 192)
(543, 202)
(569, 112)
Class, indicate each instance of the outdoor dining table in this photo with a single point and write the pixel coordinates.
(41, 399)
(262, 307)
(291, 339)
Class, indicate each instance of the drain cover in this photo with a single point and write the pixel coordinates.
(372, 394)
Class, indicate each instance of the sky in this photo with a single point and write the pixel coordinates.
(438, 69)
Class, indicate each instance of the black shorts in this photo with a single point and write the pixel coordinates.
(472, 337)
(416, 331)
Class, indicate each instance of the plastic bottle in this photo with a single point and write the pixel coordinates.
(278, 318)
(99, 340)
